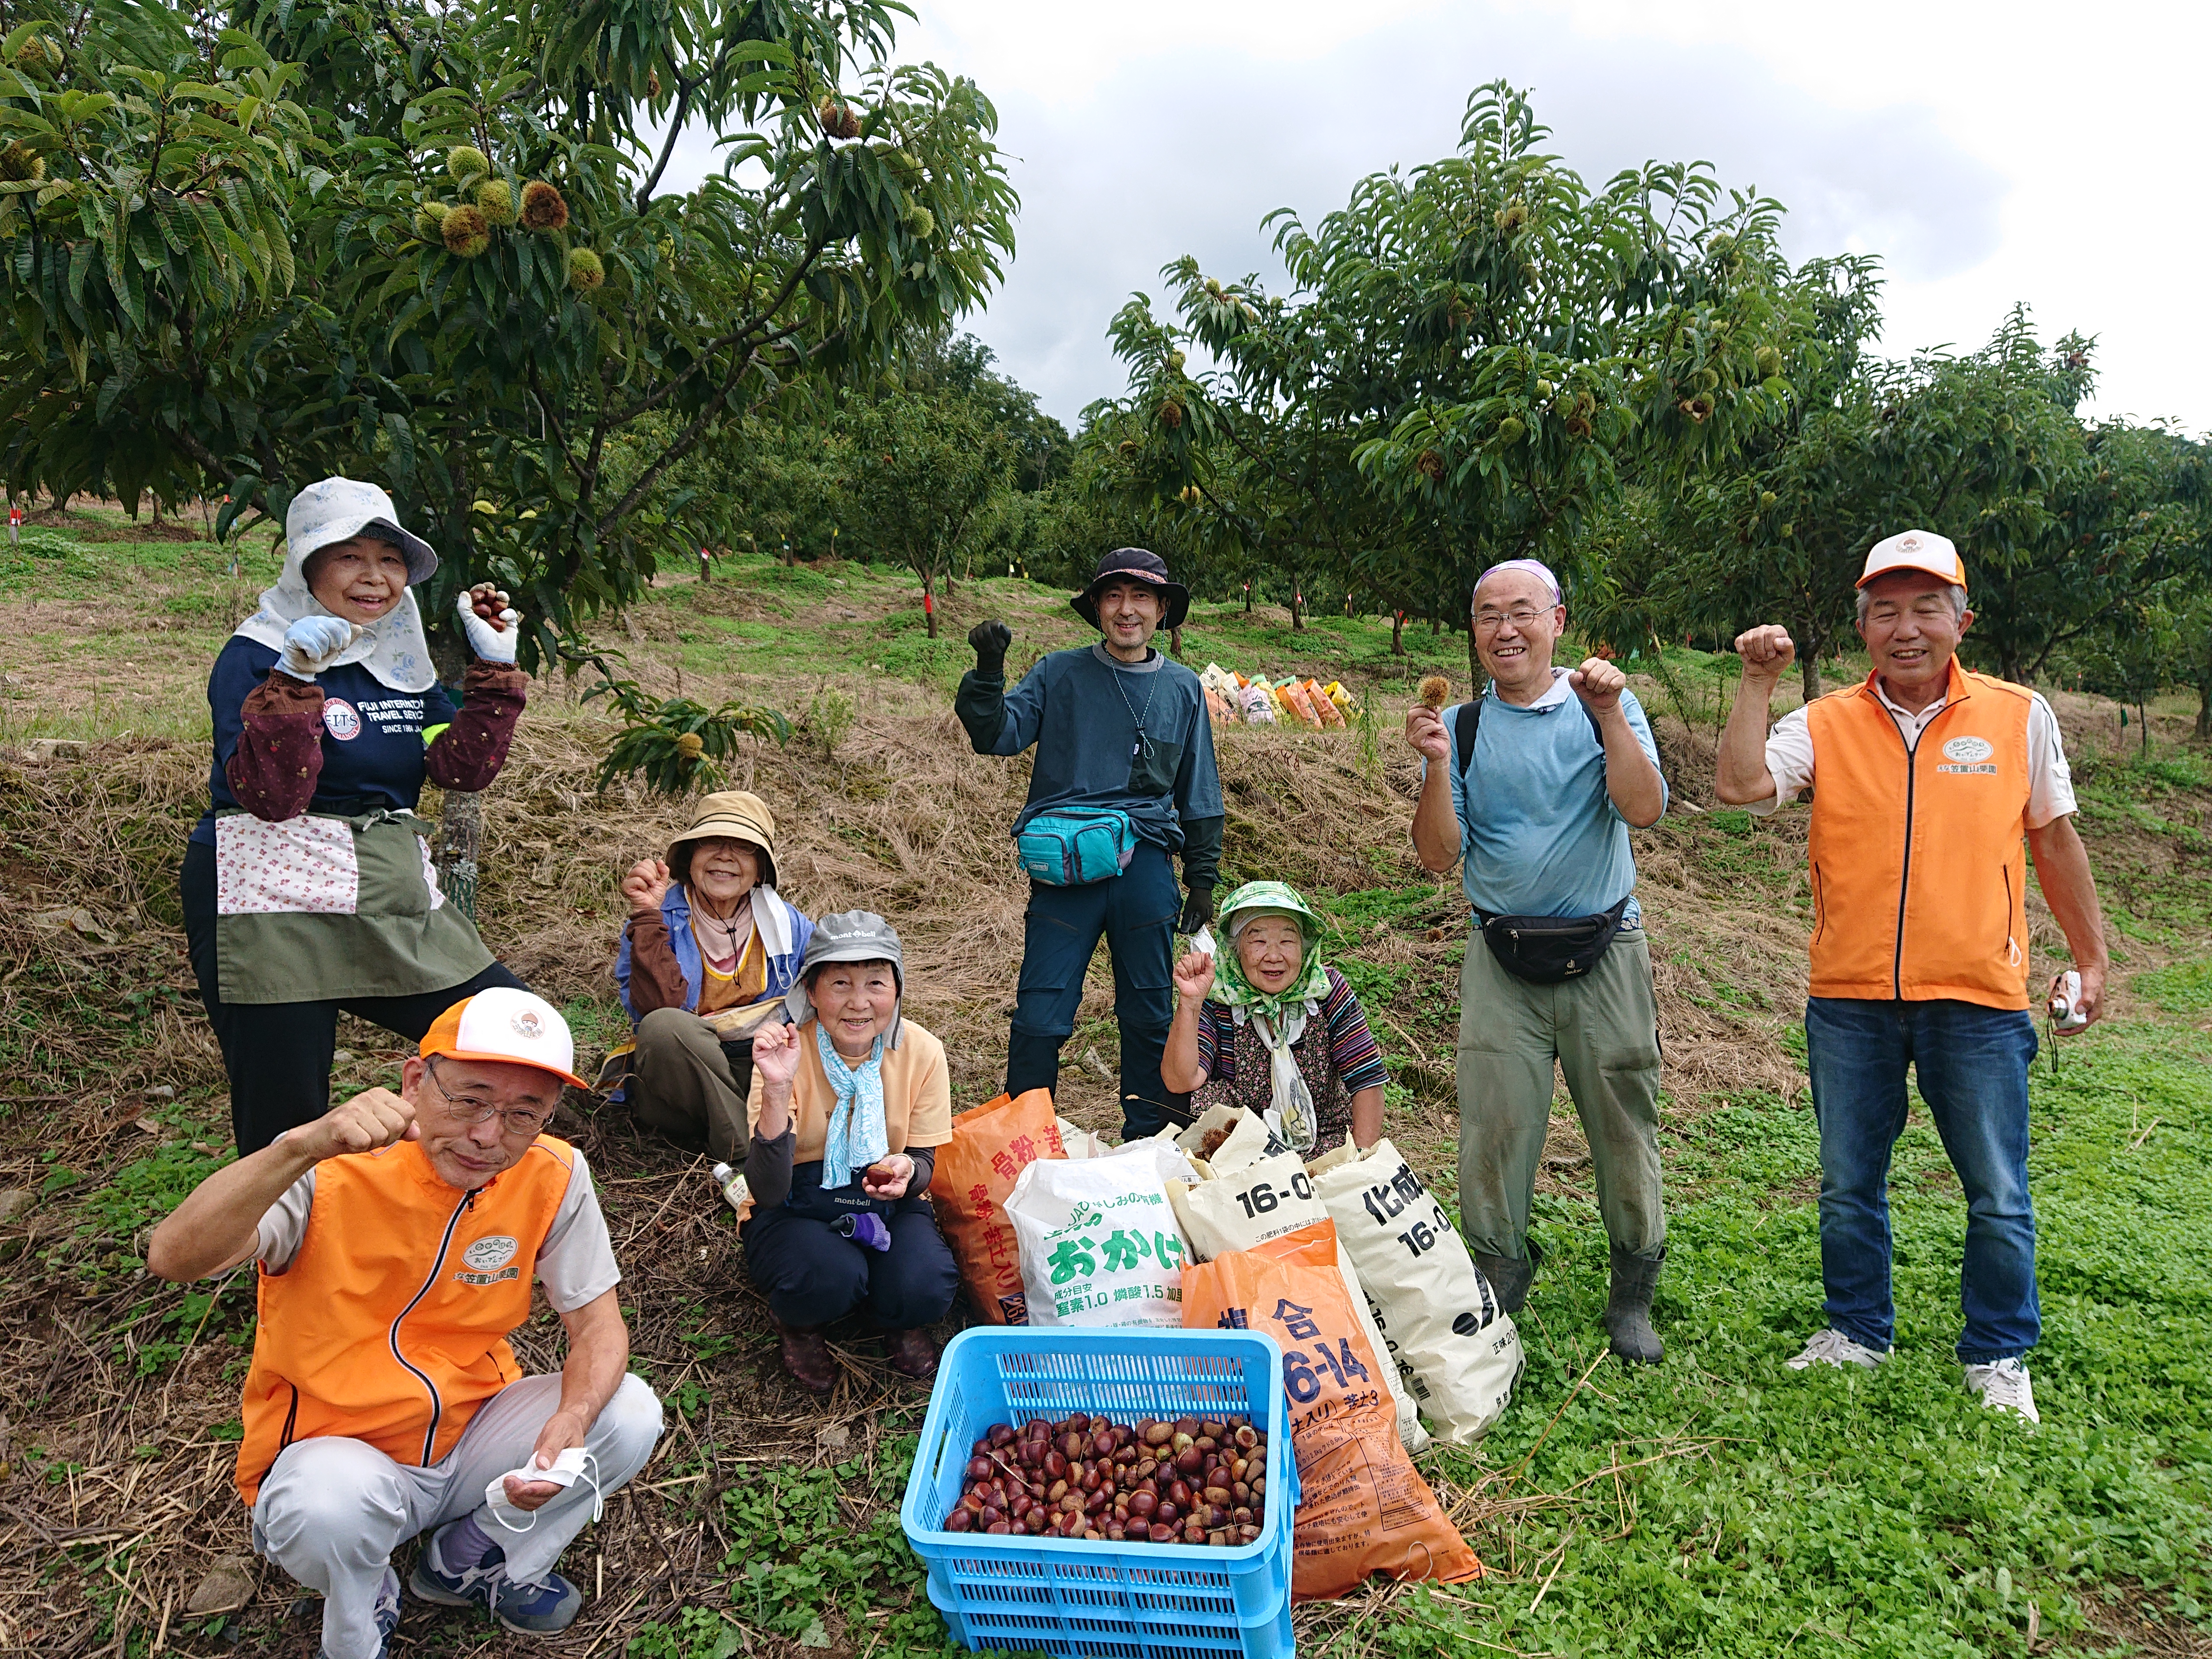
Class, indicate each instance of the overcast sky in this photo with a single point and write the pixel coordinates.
(1988, 153)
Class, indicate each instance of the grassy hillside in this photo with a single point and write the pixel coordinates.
(1715, 1505)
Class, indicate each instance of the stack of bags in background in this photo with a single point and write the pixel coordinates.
(1233, 700)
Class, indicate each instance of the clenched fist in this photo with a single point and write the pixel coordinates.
(646, 886)
(1194, 975)
(990, 641)
(1599, 684)
(372, 1119)
(1767, 652)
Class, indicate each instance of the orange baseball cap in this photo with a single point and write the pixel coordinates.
(1915, 549)
(517, 1028)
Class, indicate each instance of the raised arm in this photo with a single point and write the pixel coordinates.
(1435, 823)
(1632, 782)
(219, 1224)
(1742, 778)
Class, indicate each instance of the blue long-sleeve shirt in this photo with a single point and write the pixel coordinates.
(1083, 710)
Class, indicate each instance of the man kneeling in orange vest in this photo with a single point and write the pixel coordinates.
(1925, 780)
(398, 1236)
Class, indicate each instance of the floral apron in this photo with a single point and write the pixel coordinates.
(329, 906)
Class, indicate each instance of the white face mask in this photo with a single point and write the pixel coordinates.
(566, 1467)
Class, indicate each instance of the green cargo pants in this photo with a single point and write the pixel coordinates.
(1603, 1030)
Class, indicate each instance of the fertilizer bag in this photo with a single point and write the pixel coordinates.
(1099, 1245)
(1257, 1191)
(1460, 1349)
(991, 1145)
(1364, 1508)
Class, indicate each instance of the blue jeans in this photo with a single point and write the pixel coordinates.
(1135, 913)
(1972, 1065)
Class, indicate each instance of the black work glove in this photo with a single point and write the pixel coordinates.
(1197, 908)
(990, 641)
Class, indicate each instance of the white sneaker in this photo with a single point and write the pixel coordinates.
(1833, 1347)
(2003, 1386)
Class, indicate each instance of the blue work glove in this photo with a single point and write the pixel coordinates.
(866, 1228)
(310, 643)
(494, 644)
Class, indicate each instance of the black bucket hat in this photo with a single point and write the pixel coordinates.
(1134, 564)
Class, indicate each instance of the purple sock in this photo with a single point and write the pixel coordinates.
(464, 1544)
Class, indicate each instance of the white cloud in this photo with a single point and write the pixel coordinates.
(1989, 153)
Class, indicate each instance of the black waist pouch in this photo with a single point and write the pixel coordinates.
(1550, 950)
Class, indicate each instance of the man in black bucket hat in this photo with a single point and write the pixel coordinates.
(1124, 761)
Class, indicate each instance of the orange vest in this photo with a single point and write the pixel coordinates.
(1919, 875)
(390, 1326)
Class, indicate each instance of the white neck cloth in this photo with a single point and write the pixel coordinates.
(392, 648)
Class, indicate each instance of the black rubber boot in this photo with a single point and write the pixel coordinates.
(1628, 1309)
(1509, 1276)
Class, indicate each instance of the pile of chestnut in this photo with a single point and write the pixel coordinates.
(1194, 1480)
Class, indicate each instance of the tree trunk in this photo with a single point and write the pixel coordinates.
(2204, 710)
(1474, 660)
(1397, 633)
(929, 604)
(1248, 598)
(1174, 642)
(1809, 666)
(2142, 723)
(460, 843)
(706, 574)
(1297, 608)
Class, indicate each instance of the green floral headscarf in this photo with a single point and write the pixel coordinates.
(1249, 903)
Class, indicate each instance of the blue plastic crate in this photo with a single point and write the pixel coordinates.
(1073, 1597)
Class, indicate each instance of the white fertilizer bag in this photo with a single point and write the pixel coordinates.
(1098, 1241)
(1438, 1314)
(1264, 1198)
(1081, 1143)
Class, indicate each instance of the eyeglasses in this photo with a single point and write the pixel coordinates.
(1923, 611)
(513, 1121)
(1489, 621)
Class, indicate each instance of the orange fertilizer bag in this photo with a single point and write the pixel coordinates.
(1364, 1508)
(991, 1145)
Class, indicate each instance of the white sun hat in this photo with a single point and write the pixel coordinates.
(338, 509)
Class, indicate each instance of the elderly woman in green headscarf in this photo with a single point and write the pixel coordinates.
(1273, 1029)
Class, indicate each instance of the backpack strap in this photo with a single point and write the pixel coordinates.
(1465, 724)
(1469, 720)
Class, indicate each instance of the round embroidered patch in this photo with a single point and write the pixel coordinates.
(1968, 749)
(488, 1252)
(341, 719)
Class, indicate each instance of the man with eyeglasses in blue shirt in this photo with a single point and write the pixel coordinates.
(1531, 790)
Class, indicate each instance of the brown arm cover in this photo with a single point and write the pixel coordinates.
(279, 757)
(655, 981)
(469, 753)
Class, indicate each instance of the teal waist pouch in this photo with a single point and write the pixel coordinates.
(1075, 848)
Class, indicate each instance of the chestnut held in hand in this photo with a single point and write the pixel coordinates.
(1099, 1491)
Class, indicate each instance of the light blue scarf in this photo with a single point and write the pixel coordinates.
(856, 1136)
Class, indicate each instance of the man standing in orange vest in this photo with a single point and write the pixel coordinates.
(1925, 779)
(398, 1238)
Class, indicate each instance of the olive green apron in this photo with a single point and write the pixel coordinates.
(329, 906)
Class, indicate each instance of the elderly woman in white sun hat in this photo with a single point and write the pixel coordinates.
(307, 885)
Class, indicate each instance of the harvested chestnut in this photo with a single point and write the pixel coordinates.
(959, 1521)
(1198, 1481)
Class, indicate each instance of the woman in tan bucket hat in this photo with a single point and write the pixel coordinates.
(708, 953)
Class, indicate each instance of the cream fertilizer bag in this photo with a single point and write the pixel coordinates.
(1099, 1243)
(1459, 1349)
(1255, 1189)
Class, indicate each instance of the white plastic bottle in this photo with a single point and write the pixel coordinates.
(733, 1183)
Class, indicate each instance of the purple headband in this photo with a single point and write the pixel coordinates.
(1535, 567)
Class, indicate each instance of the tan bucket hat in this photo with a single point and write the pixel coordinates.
(733, 813)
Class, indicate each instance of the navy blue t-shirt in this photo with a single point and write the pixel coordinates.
(373, 750)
